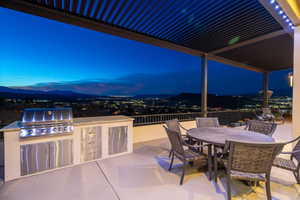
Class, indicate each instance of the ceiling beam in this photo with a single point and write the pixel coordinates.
(248, 42)
(89, 23)
(234, 63)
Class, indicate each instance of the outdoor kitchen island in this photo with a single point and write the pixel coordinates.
(88, 139)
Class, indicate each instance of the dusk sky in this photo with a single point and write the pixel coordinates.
(37, 53)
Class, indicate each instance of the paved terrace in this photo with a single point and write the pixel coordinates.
(142, 175)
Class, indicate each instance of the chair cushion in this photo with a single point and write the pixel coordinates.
(284, 164)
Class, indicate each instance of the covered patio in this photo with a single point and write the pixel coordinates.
(260, 35)
(255, 35)
(144, 174)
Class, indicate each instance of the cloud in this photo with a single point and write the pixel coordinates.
(229, 82)
(167, 83)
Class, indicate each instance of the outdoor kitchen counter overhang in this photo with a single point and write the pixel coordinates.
(80, 121)
(92, 138)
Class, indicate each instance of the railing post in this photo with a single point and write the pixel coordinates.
(204, 86)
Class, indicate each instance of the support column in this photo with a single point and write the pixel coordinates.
(204, 86)
(265, 89)
(296, 84)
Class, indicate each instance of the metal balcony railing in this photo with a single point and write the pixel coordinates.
(225, 117)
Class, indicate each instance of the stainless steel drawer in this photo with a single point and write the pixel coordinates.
(44, 156)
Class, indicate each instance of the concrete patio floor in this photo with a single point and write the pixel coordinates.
(143, 175)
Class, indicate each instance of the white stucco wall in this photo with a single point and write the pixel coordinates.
(1, 152)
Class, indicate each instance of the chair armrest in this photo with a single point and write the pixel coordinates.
(226, 148)
(183, 127)
(292, 152)
(195, 146)
(297, 138)
(185, 136)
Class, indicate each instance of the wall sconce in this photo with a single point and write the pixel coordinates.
(291, 79)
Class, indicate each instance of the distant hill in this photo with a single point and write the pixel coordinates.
(212, 100)
(6, 92)
(160, 96)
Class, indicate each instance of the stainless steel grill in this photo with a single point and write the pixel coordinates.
(46, 121)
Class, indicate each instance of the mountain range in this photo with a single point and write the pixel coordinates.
(7, 92)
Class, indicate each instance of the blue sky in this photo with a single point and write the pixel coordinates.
(36, 51)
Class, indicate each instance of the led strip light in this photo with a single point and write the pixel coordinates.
(281, 13)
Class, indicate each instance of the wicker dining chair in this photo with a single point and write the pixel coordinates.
(205, 122)
(290, 164)
(250, 161)
(262, 127)
(174, 125)
(266, 115)
(178, 151)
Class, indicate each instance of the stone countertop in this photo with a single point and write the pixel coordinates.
(15, 126)
(100, 120)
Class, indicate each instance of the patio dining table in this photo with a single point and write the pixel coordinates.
(216, 137)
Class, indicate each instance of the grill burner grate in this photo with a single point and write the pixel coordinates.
(46, 121)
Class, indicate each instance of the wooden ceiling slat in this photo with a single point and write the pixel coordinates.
(132, 12)
(170, 8)
(51, 3)
(229, 27)
(67, 4)
(43, 2)
(97, 9)
(82, 7)
(151, 15)
(89, 11)
(128, 8)
(74, 6)
(244, 33)
(140, 14)
(59, 4)
(168, 26)
(118, 11)
(175, 14)
(180, 21)
(104, 10)
(112, 10)
(204, 19)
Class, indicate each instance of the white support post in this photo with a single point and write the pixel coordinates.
(265, 89)
(204, 86)
(296, 83)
